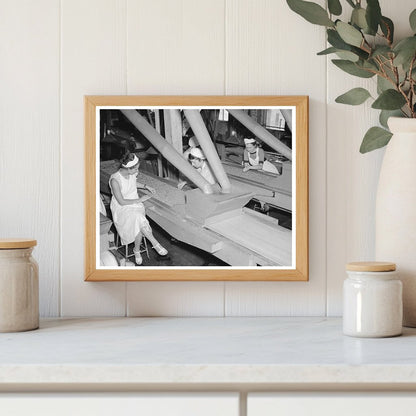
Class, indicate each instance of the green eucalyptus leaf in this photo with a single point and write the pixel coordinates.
(386, 114)
(387, 27)
(373, 15)
(405, 44)
(375, 138)
(383, 84)
(370, 65)
(336, 41)
(405, 50)
(412, 20)
(356, 96)
(311, 12)
(327, 51)
(360, 52)
(348, 56)
(334, 7)
(392, 76)
(358, 18)
(349, 34)
(389, 100)
(352, 68)
(381, 50)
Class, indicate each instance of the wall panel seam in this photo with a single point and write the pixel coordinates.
(60, 269)
(126, 57)
(326, 184)
(225, 54)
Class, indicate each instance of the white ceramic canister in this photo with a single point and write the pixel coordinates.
(19, 286)
(372, 300)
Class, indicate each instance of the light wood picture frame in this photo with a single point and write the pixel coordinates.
(245, 220)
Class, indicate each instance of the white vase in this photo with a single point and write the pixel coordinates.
(396, 210)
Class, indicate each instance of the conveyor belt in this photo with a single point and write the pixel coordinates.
(238, 236)
(260, 234)
(261, 179)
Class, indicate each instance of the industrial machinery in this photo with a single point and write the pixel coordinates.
(216, 218)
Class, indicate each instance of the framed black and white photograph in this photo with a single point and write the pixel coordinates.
(196, 188)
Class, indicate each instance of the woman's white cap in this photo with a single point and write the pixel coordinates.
(132, 162)
(248, 141)
(193, 142)
(197, 152)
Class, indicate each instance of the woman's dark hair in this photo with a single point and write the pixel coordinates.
(128, 157)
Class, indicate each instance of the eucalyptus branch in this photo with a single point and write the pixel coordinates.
(386, 60)
(406, 97)
(380, 64)
(412, 86)
(395, 71)
(366, 43)
(370, 70)
(384, 73)
(368, 34)
(413, 89)
(382, 35)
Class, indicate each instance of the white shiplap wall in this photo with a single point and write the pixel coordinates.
(55, 52)
(30, 135)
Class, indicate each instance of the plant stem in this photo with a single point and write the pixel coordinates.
(384, 73)
(412, 87)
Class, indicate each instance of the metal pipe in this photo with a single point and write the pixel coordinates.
(167, 151)
(261, 133)
(200, 130)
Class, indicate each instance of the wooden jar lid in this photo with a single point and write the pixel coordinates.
(11, 243)
(371, 266)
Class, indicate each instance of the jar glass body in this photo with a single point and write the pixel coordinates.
(372, 304)
(19, 290)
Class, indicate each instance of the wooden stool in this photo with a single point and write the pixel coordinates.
(126, 255)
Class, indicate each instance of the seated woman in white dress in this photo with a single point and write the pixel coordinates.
(127, 208)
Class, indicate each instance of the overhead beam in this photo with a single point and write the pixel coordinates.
(167, 151)
(173, 134)
(200, 130)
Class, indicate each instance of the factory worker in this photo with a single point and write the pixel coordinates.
(127, 208)
(199, 162)
(254, 158)
(193, 142)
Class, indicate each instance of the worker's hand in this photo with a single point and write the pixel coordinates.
(181, 184)
(150, 189)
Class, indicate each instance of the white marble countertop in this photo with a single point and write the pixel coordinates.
(248, 352)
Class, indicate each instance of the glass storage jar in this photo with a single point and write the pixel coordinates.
(19, 286)
(372, 300)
